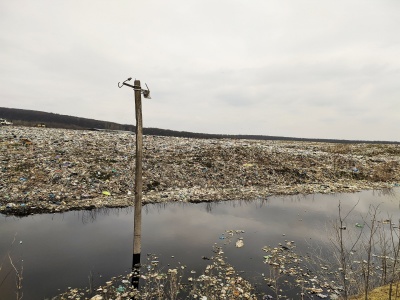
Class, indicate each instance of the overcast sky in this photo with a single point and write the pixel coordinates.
(315, 69)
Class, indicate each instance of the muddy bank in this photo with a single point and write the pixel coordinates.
(55, 170)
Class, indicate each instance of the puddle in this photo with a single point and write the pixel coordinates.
(75, 249)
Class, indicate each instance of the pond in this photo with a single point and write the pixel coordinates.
(75, 249)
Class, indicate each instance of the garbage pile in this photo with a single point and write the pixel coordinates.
(54, 170)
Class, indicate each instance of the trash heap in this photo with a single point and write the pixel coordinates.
(54, 170)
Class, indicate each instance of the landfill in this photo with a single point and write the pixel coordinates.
(46, 170)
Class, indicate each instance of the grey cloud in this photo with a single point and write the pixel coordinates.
(284, 68)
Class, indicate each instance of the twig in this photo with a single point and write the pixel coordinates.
(19, 278)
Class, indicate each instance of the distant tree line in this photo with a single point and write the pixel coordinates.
(25, 117)
(32, 118)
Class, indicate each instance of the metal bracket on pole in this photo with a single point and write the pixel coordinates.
(146, 93)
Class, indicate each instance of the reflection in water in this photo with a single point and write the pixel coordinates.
(210, 206)
(389, 192)
(99, 242)
(90, 216)
(136, 269)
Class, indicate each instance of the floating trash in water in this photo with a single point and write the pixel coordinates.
(239, 243)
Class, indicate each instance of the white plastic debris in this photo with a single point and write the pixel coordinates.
(239, 243)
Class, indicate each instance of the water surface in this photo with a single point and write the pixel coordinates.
(65, 250)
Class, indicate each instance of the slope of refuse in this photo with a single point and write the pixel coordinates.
(54, 170)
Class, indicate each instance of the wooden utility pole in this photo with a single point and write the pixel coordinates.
(137, 223)
(137, 226)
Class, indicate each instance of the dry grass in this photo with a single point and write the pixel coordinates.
(380, 293)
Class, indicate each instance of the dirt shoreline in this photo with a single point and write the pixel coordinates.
(55, 170)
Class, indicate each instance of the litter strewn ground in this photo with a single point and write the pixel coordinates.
(54, 170)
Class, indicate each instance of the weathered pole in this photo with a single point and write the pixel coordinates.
(137, 226)
(137, 222)
(138, 174)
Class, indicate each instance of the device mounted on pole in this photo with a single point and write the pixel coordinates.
(146, 93)
(137, 226)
